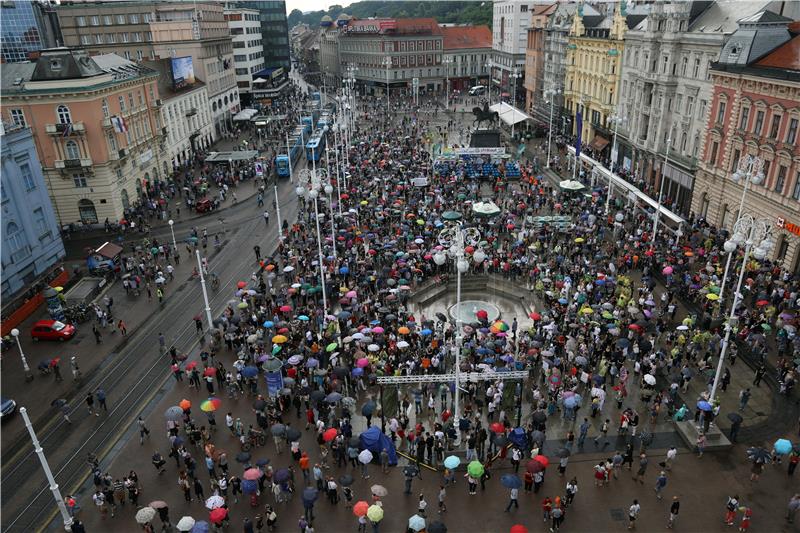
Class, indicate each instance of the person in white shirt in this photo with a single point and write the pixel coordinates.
(672, 453)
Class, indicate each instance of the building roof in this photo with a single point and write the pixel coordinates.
(65, 64)
(464, 37)
(786, 56)
(122, 69)
(723, 16)
(540, 9)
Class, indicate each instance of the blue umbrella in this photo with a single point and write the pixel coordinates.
(200, 527)
(704, 406)
(310, 494)
(304, 318)
(249, 486)
(623, 343)
(249, 371)
(510, 481)
(484, 351)
(571, 402)
(782, 446)
(268, 323)
(333, 397)
(281, 475)
(425, 332)
(368, 409)
(452, 462)
(312, 363)
(358, 371)
(344, 270)
(562, 301)
(262, 462)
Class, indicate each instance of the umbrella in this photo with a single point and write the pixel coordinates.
(416, 523)
(736, 418)
(281, 475)
(215, 501)
(185, 524)
(510, 481)
(452, 462)
(704, 406)
(252, 474)
(58, 403)
(174, 413)
(475, 469)
(518, 528)
(145, 514)
(563, 452)
(330, 434)
(410, 470)
(375, 513)
(212, 404)
(200, 527)
(249, 371)
(534, 466)
(360, 508)
(346, 480)
(242, 457)
(544, 461)
(262, 462)
(365, 457)
(259, 405)
(310, 494)
(158, 504)
(379, 491)
(292, 434)
(436, 527)
(210, 371)
(185, 404)
(759, 455)
(279, 339)
(650, 379)
(782, 446)
(249, 486)
(218, 515)
(368, 409)
(278, 430)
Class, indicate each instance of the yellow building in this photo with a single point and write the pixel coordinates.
(594, 61)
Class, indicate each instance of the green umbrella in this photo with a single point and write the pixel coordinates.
(242, 305)
(766, 327)
(276, 348)
(475, 469)
(331, 347)
(305, 286)
(462, 196)
(451, 215)
(273, 364)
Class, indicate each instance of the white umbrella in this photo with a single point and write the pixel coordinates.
(373, 347)
(650, 379)
(571, 185)
(185, 524)
(215, 502)
(485, 208)
(365, 457)
(145, 514)
(402, 345)
(358, 336)
(288, 269)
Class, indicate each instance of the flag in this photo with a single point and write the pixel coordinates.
(119, 124)
(579, 123)
(67, 129)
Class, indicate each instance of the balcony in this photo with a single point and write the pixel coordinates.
(70, 164)
(107, 123)
(191, 112)
(61, 129)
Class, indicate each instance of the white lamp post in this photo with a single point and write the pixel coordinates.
(749, 170)
(454, 239)
(616, 120)
(447, 61)
(516, 74)
(661, 190)
(747, 231)
(278, 212)
(174, 244)
(205, 292)
(37, 447)
(309, 186)
(489, 65)
(387, 62)
(28, 375)
(551, 94)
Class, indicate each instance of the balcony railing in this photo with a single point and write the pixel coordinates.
(83, 162)
(65, 129)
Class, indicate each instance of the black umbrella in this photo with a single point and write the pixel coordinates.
(242, 457)
(436, 527)
(539, 417)
(368, 409)
(736, 418)
(759, 455)
(278, 430)
(354, 442)
(563, 452)
(537, 436)
(317, 395)
(262, 462)
(259, 405)
(500, 440)
(310, 494)
(58, 403)
(441, 317)
(292, 434)
(410, 470)
(340, 371)
(346, 480)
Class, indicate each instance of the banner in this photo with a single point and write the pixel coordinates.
(489, 150)
(259, 169)
(274, 383)
(579, 123)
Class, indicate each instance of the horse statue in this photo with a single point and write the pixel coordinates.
(484, 115)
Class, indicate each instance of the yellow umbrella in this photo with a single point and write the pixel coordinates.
(713, 297)
(587, 310)
(279, 339)
(579, 240)
(58, 289)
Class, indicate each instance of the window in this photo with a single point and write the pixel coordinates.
(107, 20)
(745, 118)
(146, 18)
(776, 125)
(736, 155)
(134, 18)
(796, 191)
(16, 242)
(721, 112)
(130, 101)
(759, 123)
(139, 55)
(63, 115)
(86, 40)
(714, 149)
(18, 117)
(696, 67)
(72, 150)
(98, 38)
(137, 37)
(111, 38)
(767, 165)
(79, 180)
(27, 176)
(125, 37)
(689, 105)
(95, 20)
(780, 180)
(121, 104)
(127, 54)
(80, 21)
(791, 131)
(120, 19)
(112, 143)
(41, 221)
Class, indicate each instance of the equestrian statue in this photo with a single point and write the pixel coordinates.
(484, 115)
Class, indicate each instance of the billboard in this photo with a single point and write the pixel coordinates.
(182, 72)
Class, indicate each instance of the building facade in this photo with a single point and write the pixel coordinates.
(329, 63)
(754, 110)
(31, 235)
(156, 30)
(96, 126)
(467, 51)
(510, 22)
(27, 27)
(534, 57)
(248, 52)
(274, 31)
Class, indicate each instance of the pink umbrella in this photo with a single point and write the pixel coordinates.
(351, 294)
(378, 329)
(252, 474)
(361, 363)
(667, 270)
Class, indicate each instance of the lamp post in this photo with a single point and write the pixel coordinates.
(747, 231)
(387, 62)
(37, 447)
(551, 94)
(661, 190)
(454, 240)
(749, 170)
(516, 74)
(28, 375)
(447, 61)
(616, 120)
(289, 154)
(205, 291)
(278, 212)
(174, 244)
(308, 187)
(489, 65)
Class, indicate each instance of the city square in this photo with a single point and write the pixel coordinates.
(520, 267)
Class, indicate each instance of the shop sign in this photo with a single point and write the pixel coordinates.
(788, 226)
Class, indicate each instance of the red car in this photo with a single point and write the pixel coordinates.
(52, 330)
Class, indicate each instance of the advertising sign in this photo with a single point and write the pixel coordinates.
(274, 383)
(489, 150)
(259, 169)
(182, 72)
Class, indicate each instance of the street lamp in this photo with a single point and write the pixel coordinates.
(447, 61)
(387, 62)
(205, 291)
(489, 65)
(551, 94)
(616, 120)
(174, 244)
(28, 375)
(454, 240)
(308, 187)
(661, 190)
(750, 170)
(747, 231)
(516, 74)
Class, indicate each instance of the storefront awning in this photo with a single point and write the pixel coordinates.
(235, 155)
(510, 114)
(245, 114)
(598, 143)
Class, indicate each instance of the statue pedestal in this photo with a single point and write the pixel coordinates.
(485, 138)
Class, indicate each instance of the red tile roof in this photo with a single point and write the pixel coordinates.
(463, 37)
(786, 56)
(544, 9)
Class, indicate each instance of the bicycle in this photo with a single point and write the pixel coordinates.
(257, 438)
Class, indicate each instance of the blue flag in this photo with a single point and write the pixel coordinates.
(579, 122)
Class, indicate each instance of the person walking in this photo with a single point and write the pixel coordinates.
(643, 461)
(159, 462)
(513, 499)
(101, 399)
(557, 515)
(633, 514)
(90, 404)
(744, 397)
(674, 509)
(792, 507)
(442, 495)
(672, 453)
(730, 509)
(97, 336)
(661, 482)
(571, 491)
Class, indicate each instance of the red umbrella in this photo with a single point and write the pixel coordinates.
(191, 365)
(762, 303)
(518, 528)
(497, 427)
(541, 459)
(242, 284)
(634, 327)
(535, 316)
(218, 515)
(482, 314)
(285, 308)
(210, 371)
(329, 434)
(534, 466)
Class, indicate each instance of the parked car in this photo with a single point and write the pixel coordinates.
(7, 408)
(52, 330)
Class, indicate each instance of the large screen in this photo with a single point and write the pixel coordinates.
(182, 72)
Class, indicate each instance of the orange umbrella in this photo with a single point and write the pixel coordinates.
(185, 404)
(360, 508)
(402, 330)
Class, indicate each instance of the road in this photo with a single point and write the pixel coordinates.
(135, 375)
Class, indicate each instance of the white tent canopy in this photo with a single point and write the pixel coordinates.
(510, 114)
(245, 114)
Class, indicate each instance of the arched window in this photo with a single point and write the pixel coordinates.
(87, 211)
(72, 150)
(64, 116)
(16, 242)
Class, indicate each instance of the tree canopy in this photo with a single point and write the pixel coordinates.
(453, 12)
